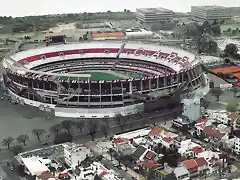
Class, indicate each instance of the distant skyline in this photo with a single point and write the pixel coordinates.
(41, 7)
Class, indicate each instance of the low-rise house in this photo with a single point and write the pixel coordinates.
(140, 153)
(149, 164)
(163, 173)
(167, 141)
(124, 148)
(181, 173)
(212, 134)
(202, 166)
(196, 150)
(192, 167)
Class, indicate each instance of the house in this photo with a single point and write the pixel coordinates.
(167, 141)
(214, 135)
(202, 166)
(155, 131)
(181, 173)
(196, 150)
(234, 117)
(192, 167)
(149, 164)
(140, 153)
(163, 173)
(125, 148)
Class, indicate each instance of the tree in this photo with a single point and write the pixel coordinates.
(63, 137)
(56, 128)
(121, 121)
(235, 90)
(232, 107)
(231, 50)
(67, 124)
(23, 139)
(17, 149)
(79, 125)
(92, 126)
(205, 103)
(7, 142)
(217, 91)
(38, 133)
(111, 152)
(105, 129)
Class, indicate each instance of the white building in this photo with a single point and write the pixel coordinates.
(210, 13)
(74, 154)
(138, 33)
(154, 15)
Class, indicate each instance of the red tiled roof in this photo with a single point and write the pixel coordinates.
(103, 173)
(167, 139)
(149, 163)
(213, 132)
(234, 116)
(155, 131)
(46, 176)
(119, 140)
(197, 150)
(190, 164)
(201, 161)
(149, 155)
(110, 34)
(201, 120)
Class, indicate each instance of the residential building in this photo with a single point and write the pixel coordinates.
(210, 13)
(125, 148)
(202, 166)
(213, 134)
(181, 173)
(181, 122)
(74, 154)
(154, 15)
(192, 167)
(163, 173)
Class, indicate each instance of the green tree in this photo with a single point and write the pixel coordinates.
(217, 91)
(105, 129)
(7, 142)
(121, 121)
(79, 125)
(17, 149)
(92, 126)
(23, 139)
(232, 107)
(56, 128)
(38, 133)
(231, 50)
(67, 124)
(235, 90)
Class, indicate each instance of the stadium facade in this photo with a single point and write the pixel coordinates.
(101, 79)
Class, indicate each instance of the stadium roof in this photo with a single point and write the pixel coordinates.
(34, 166)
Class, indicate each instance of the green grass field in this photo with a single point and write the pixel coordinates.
(107, 76)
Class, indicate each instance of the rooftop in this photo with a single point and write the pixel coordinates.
(154, 10)
(211, 7)
(213, 132)
(201, 161)
(180, 171)
(190, 164)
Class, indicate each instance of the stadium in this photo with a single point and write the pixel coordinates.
(103, 78)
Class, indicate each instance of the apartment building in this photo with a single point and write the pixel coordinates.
(154, 15)
(210, 13)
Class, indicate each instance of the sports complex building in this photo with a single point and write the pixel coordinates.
(101, 79)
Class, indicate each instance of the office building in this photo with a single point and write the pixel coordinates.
(210, 13)
(154, 15)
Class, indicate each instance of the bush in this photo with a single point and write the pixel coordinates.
(62, 138)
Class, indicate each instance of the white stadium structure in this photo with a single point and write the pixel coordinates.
(101, 79)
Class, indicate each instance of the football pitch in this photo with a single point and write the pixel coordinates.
(101, 76)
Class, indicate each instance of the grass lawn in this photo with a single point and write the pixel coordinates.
(95, 76)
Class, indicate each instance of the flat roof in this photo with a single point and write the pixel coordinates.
(211, 7)
(154, 10)
(34, 166)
